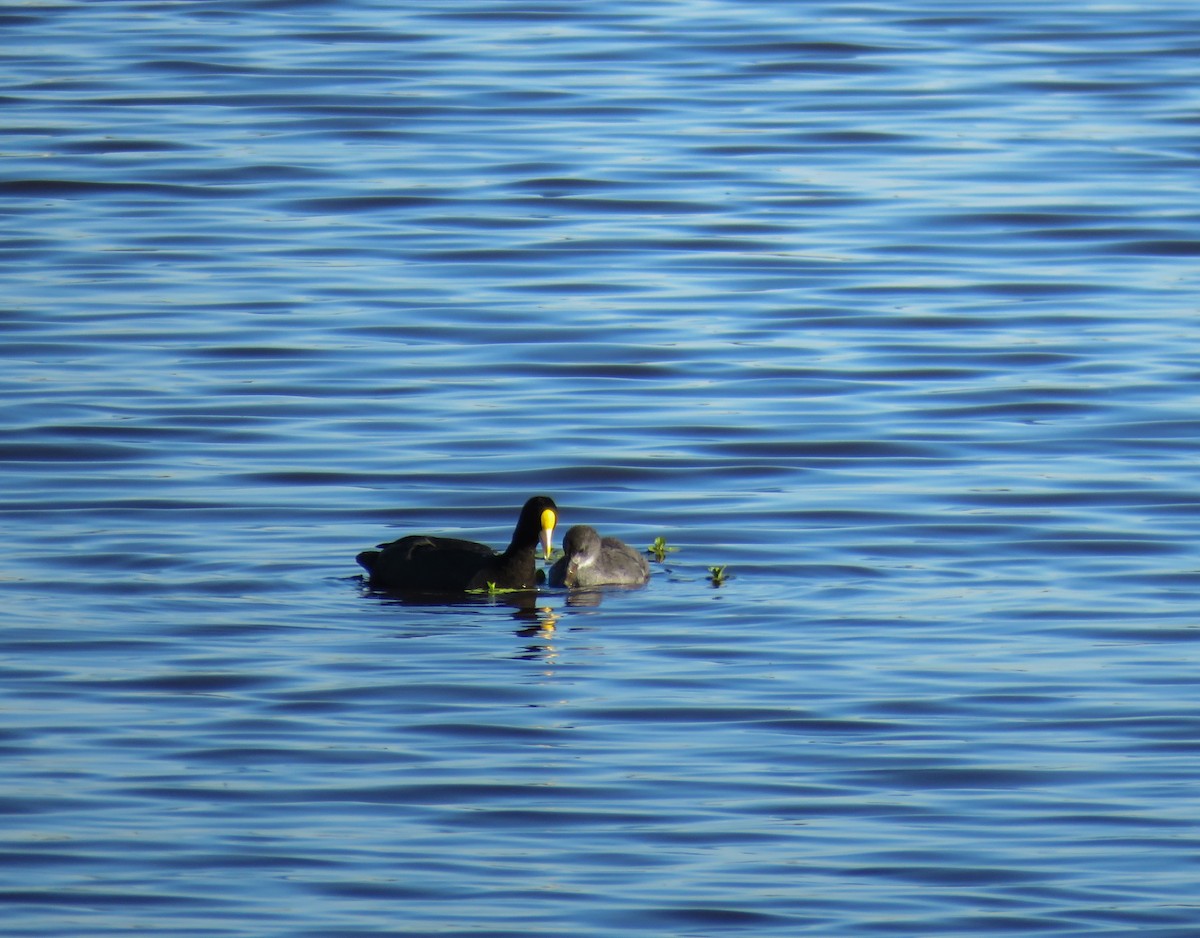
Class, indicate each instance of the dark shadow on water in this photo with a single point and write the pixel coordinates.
(523, 603)
(537, 619)
(594, 596)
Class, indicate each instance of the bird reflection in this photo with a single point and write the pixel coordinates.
(522, 603)
(585, 597)
(540, 638)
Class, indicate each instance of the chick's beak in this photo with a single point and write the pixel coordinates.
(547, 536)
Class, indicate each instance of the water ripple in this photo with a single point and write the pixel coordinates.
(889, 314)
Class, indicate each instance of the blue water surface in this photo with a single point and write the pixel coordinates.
(888, 309)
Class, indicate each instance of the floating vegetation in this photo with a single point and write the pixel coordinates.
(493, 590)
(659, 549)
(717, 575)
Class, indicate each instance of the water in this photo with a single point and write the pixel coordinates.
(889, 310)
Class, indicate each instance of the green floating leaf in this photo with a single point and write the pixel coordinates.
(493, 590)
(660, 549)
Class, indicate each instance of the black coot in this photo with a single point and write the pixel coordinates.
(427, 564)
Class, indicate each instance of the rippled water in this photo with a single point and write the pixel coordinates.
(891, 310)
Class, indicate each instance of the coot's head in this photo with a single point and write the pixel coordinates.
(536, 524)
(581, 547)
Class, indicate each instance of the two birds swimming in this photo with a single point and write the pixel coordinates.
(428, 564)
